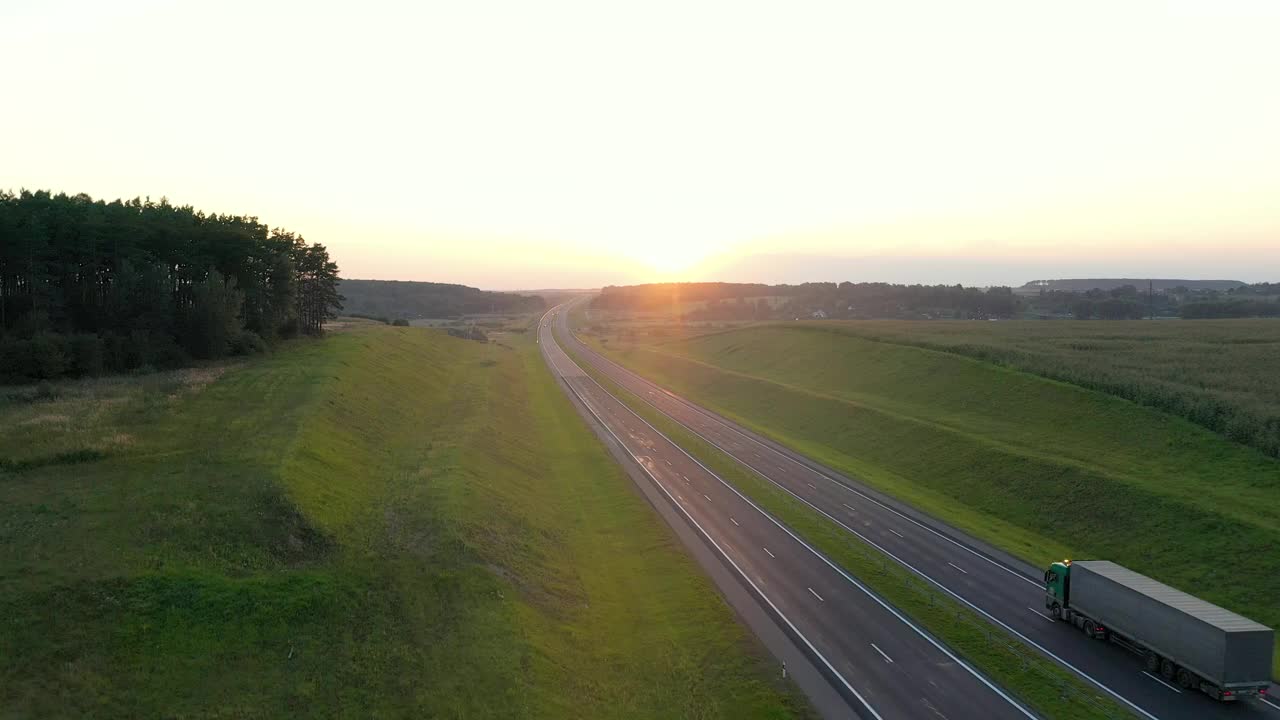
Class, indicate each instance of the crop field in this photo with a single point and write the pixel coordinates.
(389, 522)
(1222, 374)
(1041, 468)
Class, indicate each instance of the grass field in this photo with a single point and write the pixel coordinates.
(1041, 468)
(1221, 374)
(387, 523)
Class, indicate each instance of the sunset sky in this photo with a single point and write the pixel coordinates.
(574, 144)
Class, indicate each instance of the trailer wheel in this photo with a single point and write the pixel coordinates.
(1167, 668)
(1153, 662)
(1091, 628)
(1186, 679)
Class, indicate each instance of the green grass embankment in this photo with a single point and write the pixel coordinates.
(1040, 468)
(1046, 687)
(390, 522)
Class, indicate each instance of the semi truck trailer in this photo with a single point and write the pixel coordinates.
(1181, 638)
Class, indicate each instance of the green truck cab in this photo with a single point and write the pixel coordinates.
(1055, 587)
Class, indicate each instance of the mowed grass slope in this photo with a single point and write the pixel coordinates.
(387, 523)
(1041, 468)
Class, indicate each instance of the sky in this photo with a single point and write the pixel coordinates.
(577, 144)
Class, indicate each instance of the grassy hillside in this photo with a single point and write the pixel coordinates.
(1220, 374)
(1041, 468)
(387, 523)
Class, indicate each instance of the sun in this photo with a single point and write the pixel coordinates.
(671, 260)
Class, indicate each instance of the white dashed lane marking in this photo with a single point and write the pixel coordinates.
(882, 654)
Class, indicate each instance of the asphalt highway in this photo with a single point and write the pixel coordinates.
(1005, 591)
(878, 659)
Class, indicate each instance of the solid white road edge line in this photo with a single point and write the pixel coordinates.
(725, 555)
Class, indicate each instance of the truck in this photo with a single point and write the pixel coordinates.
(1181, 638)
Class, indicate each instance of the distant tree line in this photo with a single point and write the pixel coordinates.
(88, 286)
(407, 299)
(1231, 308)
(752, 301)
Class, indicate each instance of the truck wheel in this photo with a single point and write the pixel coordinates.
(1153, 662)
(1056, 611)
(1090, 628)
(1186, 679)
(1167, 668)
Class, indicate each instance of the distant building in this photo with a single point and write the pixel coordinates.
(819, 314)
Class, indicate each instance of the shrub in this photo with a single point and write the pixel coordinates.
(474, 333)
(400, 322)
(166, 354)
(247, 342)
(43, 357)
(9, 351)
(288, 329)
(136, 350)
(44, 392)
(86, 355)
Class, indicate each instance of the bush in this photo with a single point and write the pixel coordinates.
(288, 329)
(247, 342)
(400, 322)
(136, 350)
(473, 333)
(44, 392)
(43, 357)
(166, 354)
(86, 353)
(113, 352)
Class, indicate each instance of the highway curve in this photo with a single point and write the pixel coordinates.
(1004, 590)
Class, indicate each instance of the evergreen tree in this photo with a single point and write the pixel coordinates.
(87, 285)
